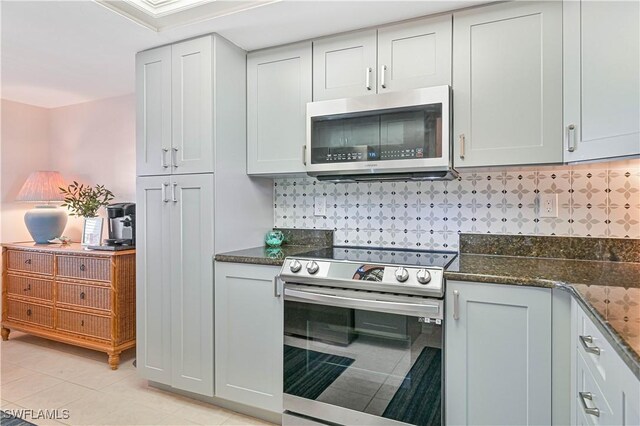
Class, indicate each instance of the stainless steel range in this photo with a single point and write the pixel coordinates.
(363, 337)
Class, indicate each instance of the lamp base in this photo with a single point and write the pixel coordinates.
(45, 223)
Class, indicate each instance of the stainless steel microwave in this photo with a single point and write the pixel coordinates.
(399, 135)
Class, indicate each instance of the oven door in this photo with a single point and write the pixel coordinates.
(361, 358)
(396, 132)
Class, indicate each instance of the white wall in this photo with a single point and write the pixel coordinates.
(24, 149)
(92, 143)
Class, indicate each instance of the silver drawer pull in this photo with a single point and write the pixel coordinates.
(585, 340)
(164, 158)
(583, 398)
(456, 305)
(571, 137)
(174, 157)
(367, 79)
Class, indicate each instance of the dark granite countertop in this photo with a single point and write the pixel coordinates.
(608, 291)
(264, 255)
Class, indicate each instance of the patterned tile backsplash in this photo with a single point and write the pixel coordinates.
(601, 200)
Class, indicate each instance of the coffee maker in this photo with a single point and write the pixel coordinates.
(121, 221)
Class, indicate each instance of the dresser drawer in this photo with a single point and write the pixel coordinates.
(28, 261)
(19, 285)
(30, 313)
(84, 295)
(87, 268)
(86, 324)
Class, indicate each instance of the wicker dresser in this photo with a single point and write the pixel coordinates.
(68, 294)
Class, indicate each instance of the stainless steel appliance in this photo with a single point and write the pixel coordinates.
(388, 136)
(363, 339)
(121, 221)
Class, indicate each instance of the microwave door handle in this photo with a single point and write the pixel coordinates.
(402, 308)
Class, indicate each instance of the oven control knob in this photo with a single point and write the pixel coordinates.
(312, 267)
(423, 276)
(295, 266)
(402, 274)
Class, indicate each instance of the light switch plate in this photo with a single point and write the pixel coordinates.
(320, 206)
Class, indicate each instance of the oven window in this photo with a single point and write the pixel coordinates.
(377, 363)
(395, 134)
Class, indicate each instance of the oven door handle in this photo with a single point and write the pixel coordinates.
(430, 310)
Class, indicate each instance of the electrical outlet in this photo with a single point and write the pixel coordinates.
(548, 205)
(320, 206)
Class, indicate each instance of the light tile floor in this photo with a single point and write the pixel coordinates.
(38, 374)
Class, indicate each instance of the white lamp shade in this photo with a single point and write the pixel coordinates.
(42, 186)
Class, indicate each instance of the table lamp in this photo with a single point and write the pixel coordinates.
(45, 221)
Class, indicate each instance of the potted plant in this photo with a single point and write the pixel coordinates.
(85, 201)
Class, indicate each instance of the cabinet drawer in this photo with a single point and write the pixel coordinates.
(87, 268)
(27, 261)
(589, 341)
(30, 287)
(82, 323)
(84, 295)
(588, 386)
(30, 312)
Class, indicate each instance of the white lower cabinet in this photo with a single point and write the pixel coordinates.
(174, 287)
(604, 390)
(248, 334)
(497, 354)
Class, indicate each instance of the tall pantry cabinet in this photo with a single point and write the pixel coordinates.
(193, 197)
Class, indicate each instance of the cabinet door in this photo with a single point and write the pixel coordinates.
(153, 111)
(278, 89)
(344, 66)
(153, 279)
(601, 79)
(192, 283)
(192, 87)
(498, 354)
(249, 339)
(507, 84)
(415, 54)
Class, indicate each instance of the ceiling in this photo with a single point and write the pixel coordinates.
(57, 53)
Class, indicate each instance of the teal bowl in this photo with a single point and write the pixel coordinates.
(274, 238)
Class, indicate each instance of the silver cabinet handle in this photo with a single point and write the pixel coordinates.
(367, 78)
(174, 157)
(585, 340)
(164, 158)
(456, 305)
(583, 398)
(173, 193)
(276, 286)
(304, 155)
(383, 69)
(571, 137)
(462, 141)
(164, 193)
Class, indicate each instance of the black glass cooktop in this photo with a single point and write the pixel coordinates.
(386, 256)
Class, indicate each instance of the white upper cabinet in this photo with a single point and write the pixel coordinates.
(278, 89)
(601, 79)
(344, 66)
(153, 127)
(192, 93)
(415, 54)
(174, 86)
(507, 84)
(405, 56)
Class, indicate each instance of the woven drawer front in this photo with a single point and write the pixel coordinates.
(84, 295)
(87, 268)
(30, 312)
(81, 323)
(27, 261)
(30, 287)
